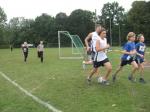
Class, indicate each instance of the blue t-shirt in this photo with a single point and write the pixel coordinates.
(140, 48)
(129, 46)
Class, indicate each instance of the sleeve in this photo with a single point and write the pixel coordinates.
(137, 47)
(126, 47)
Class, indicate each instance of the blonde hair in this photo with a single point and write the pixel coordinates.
(130, 34)
(139, 36)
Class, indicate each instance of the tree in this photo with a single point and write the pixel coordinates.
(61, 21)
(138, 18)
(81, 22)
(44, 28)
(112, 17)
(3, 19)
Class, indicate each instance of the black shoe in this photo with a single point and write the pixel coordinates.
(113, 78)
(89, 81)
(106, 83)
(130, 78)
(141, 80)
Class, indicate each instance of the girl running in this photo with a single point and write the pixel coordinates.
(140, 48)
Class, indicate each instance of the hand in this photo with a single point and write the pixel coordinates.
(142, 56)
(107, 46)
(88, 49)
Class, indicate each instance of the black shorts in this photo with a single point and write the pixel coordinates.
(40, 54)
(25, 54)
(125, 62)
(139, 61)
(100, 63)
(92, 55)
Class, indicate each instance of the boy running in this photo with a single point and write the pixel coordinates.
(129, 53)
(40, 50)
(25, 50)
(100, 58)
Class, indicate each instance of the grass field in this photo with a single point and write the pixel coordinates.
(62, 84)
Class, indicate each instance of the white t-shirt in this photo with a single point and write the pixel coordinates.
(101, 55)
(95, 37)
(40, 47)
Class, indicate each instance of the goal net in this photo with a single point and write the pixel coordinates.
(70, 46)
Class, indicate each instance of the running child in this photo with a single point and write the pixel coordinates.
(100, 58)
(128, 56)
(25, 50)
(40, 50)
(140, 48)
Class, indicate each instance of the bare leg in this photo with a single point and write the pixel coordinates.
(94, 70)
(141, 70)
(118, 70)
(135, 68)
(109, 69)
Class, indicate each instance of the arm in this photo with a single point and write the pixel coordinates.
(87, 39)
(129, 53)
(98, 48)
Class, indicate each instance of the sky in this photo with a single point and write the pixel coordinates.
(30, 9)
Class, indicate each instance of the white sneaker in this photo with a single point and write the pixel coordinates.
(83, 65)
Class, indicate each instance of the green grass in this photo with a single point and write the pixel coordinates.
(62, 83)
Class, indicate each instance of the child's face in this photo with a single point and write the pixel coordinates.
(103, 34)
(132, 38)
(142, 39)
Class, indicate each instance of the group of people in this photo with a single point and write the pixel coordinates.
(132, 54)
(25, 50)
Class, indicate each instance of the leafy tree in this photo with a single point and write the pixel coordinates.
(139, 18)
(3, 19)
(81, 22)
(112, 14)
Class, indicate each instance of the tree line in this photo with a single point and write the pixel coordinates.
(81, 22)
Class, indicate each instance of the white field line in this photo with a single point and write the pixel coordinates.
(38, 100)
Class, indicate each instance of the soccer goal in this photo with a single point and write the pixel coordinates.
(79, 45)
(70, 46)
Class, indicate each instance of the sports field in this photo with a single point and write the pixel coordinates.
(62, 84)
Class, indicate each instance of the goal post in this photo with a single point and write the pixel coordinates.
(79, 44)
(70, 46)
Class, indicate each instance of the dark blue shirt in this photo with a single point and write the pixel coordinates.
(140, 48)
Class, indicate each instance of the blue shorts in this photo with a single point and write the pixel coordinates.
(139, 60)
(125, 62)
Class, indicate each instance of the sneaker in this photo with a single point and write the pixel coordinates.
(89, 81)
(130, 78)
(83, 65)
(113, 78)
(141, 80)
(106, 83)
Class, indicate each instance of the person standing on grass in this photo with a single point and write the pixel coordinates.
(100, 58)
(140, 48)
(128, 56)
(40, 50)
(25, 50)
